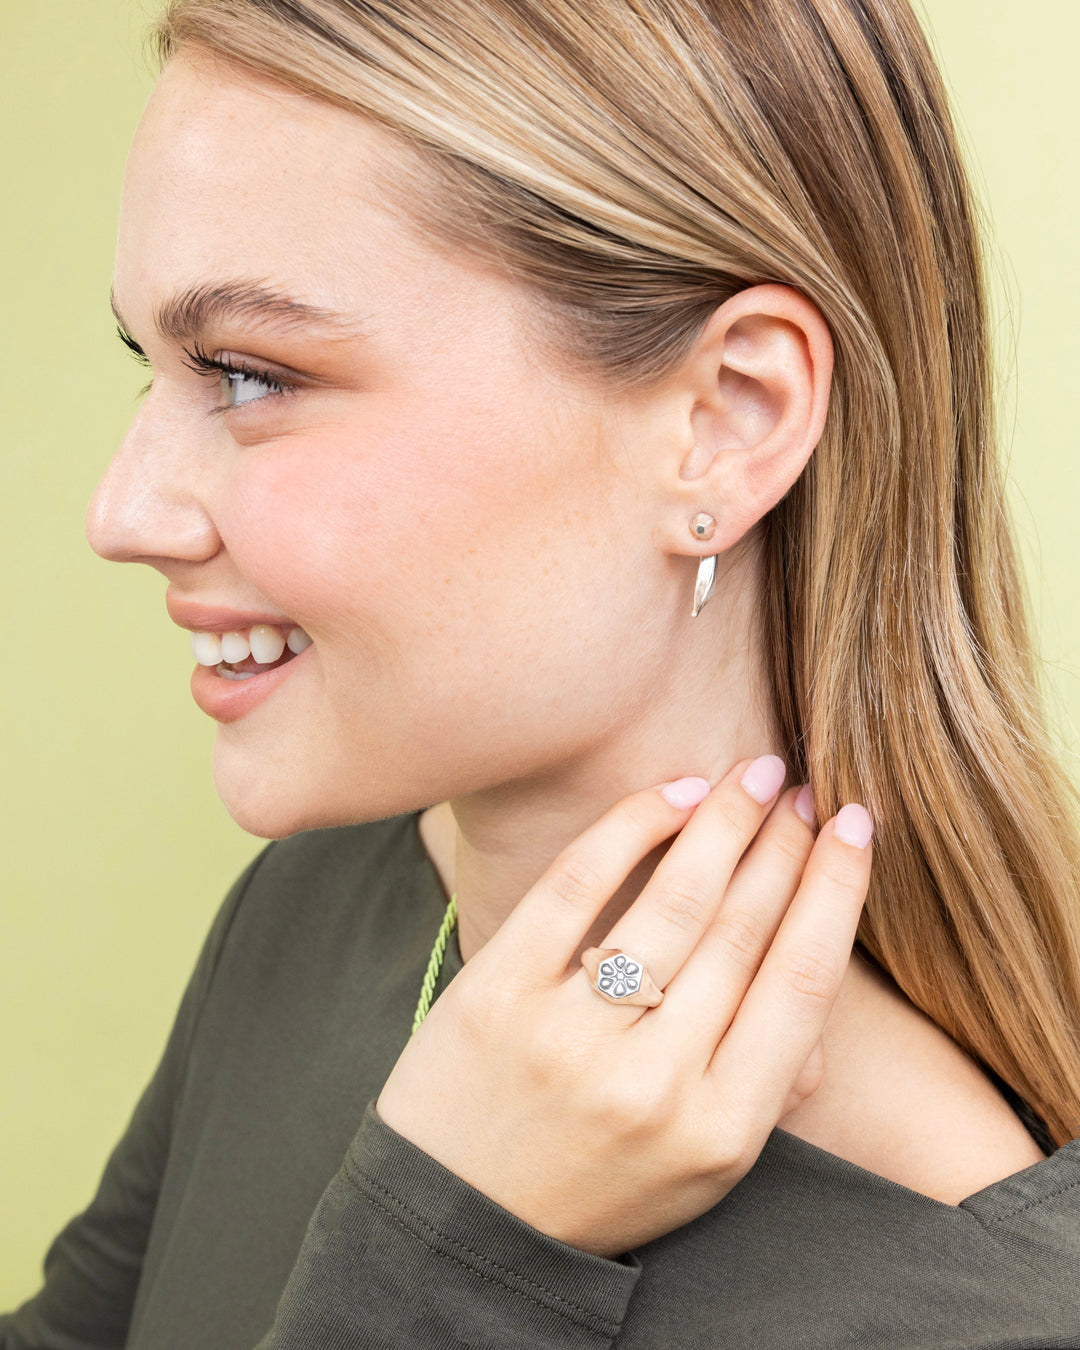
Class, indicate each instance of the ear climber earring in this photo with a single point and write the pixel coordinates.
(704, 527)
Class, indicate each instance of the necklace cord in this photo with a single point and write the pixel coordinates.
(431, 976)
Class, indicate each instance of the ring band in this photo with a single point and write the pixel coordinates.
(620, 978)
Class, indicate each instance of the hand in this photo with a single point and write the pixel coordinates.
(607, 1125)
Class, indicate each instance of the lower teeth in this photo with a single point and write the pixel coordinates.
(227, 670)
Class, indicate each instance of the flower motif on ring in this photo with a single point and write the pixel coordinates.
(619, 976)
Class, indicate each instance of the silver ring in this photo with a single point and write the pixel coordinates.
(621, 978)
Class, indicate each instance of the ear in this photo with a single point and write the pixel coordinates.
(750, 401)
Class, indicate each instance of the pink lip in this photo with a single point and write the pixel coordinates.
(227, 700)
(218, 619)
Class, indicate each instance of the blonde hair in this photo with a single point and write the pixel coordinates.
(637, 162)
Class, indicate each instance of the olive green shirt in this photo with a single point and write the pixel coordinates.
(257, 1200)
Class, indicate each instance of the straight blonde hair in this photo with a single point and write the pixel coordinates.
(637, 162)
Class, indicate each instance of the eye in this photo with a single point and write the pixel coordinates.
(240, 383)
(240, 386)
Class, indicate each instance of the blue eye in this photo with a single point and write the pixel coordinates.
(240, 383)
(240, 386)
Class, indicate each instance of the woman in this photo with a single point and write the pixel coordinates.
(578, 416)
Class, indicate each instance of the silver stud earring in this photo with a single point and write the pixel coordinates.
(703, 526)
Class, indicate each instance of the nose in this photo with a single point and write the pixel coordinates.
(150, 502)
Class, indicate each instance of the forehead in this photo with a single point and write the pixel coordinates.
(229, 168)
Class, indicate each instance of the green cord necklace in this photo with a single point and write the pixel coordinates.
(435, 963)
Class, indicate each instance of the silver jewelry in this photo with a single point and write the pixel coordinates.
(706, 583)
(620, 978)
(703, 526)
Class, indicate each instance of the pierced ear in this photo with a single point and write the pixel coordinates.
(755, 387)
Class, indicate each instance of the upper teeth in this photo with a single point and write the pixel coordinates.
(261, 641)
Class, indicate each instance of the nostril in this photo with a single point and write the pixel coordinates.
(112, 525)
(142, 511)
(149, 530)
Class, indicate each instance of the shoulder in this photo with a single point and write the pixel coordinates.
(344, 884)
(900, 1098)
(315, 913)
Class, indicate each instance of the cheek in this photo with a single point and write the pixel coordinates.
(450, 572)
(344, 525)
(316, 527)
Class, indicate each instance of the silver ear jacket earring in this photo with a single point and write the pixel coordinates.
(703, 527)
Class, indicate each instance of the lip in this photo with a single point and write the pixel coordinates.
(218, 619)
(228, 700)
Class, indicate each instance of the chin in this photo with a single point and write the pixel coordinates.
(279, 801)
(266, 822)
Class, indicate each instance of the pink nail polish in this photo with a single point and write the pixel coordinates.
(764, 778)
(853, 825)
(685, 792)
(804, 805)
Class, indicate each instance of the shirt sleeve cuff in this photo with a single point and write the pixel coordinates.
(414, 1256)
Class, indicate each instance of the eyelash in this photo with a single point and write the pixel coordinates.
(202, 363)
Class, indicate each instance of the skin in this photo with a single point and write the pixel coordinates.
(491, 553)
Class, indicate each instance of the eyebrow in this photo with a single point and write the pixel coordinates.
(190, 313)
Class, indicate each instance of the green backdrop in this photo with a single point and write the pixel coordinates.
(117, 850)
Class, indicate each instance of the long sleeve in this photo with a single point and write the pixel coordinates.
(401, 1253)
(93, 1265)
(398, 1252)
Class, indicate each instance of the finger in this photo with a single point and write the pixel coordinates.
(705, 994)
(666, 922)
(807, 1080)
(547, 926)
(786, 1007)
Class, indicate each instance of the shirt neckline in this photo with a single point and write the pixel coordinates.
(1044, 1180)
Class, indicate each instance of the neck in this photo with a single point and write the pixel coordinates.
(492, 845)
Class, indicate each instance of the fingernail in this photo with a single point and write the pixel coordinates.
(853, 825)
(686, 792)
(764, 777)
(804, 805)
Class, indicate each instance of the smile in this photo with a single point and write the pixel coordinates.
(238, 654)
(239, 668)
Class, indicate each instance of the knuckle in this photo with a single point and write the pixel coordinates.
(813, 972)
(792, 840)
(742, 940)
(576, 880)
(737, 810)
(678, 904)
(841, 870)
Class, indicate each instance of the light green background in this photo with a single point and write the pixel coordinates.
(116, 848)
